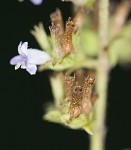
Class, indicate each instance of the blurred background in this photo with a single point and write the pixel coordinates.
(23, 97)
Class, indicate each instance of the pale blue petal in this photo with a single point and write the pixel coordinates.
(15, 60)
(37, 2)
(32, 69)
(22, 48)
(37, 57)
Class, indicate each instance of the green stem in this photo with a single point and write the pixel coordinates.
(97, 140)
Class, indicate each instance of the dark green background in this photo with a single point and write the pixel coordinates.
(22, 97)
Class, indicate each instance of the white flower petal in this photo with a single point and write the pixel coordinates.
(37, 57)
(22, 48)
(32, 69)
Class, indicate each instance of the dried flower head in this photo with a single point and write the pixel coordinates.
(69, 84)
(74, 108)
(57, 30)
(79, 96)
(67, 41)
(57, 19)
(62, 38)
(54, 29)
(57, 38)
(86, 95)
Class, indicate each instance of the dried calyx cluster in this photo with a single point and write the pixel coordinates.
(75, 99)
(62, 37)
(79, 95)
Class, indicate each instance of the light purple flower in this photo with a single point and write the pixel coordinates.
(28, 58)
(37, 2)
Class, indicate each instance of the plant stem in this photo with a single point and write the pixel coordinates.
(98, 138)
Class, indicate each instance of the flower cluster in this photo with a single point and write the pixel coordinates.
(73, 108)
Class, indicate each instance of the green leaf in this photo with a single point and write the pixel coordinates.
(114, 52)
(52, 115)
(88, 129)
(89, 42)
(41, 37)
(120, 49)
(75, 123)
